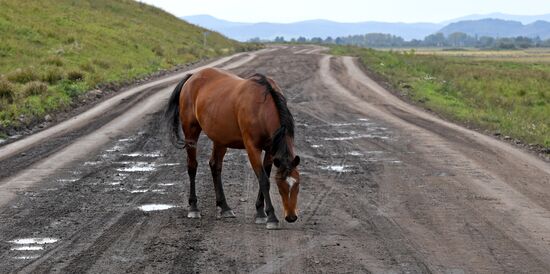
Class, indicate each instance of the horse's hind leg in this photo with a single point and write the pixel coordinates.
(261, 217)
(216, 163)
(192, 133)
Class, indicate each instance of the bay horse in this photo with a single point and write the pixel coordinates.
(237, 113)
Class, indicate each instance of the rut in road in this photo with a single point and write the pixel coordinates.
(383, 190)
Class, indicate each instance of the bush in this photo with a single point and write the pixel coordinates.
(35, 88)
(75, 75)
(7, 90)
(53, 75)
(23, 76)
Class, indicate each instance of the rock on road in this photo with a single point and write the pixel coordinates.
(386, 187)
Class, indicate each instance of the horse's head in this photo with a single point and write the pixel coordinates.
(288, 182)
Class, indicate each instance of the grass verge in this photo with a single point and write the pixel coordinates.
(511, 97)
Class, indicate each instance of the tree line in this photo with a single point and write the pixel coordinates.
(454, 40)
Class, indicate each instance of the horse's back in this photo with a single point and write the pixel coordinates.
(226, 106)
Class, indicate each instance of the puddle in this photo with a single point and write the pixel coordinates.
(155, 207)
(363, 119)
(2, 140)
(92, 163)
(114, 183)
(338, 168)
(356, 137)
(141, 154)
(139, 191)
(36, 241)
(170, 164)
(166, 184)
(27, 248)
(26, 257)
(158, 190)
(137, 167)
(355, 153)
(68, 180)
(316, 146)
(125, 140)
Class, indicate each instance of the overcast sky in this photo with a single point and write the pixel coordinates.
(285, 11)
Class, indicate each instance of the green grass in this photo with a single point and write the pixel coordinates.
(511, 96)
(72, 45)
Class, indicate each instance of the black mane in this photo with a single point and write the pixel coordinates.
(279, 147)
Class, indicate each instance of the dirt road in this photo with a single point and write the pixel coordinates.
(386, 188)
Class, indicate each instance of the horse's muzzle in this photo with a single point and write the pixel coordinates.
(291, 218)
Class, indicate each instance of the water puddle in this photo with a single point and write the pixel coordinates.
(31, 257)
(36, 241)
(338, 168)
(139, 191)
(355, 153)
(155, 207)
(137, 167)
(27, 248)
(360, 136)
(68, 180)
(316, 146)
(92, 163)
(141, 154)
(166, 184)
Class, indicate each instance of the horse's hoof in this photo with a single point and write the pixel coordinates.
(272, 226)
(228, 214)
(194, 215)
(260, 220)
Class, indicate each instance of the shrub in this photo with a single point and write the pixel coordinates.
(35, 88)
(54, 60)
(53, 75)
(23, 75)
(75, 75)
(7, 90)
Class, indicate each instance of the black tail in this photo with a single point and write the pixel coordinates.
(171, 115)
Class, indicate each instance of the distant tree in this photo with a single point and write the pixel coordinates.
(329, 40)
(254, 40)
(279, 39)
(458, 39)
(301, 39)
(435, 40)
(317, 40)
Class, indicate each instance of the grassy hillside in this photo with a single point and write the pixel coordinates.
(54, 50)
(512, 97)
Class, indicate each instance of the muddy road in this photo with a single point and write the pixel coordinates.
(386, 188)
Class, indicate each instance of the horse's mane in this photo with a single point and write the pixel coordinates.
(279, 147)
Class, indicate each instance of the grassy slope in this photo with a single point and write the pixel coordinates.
(506, 96)
(57, 42)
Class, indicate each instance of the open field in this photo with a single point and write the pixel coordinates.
(52, 51)
(533, 55)
(501, 91)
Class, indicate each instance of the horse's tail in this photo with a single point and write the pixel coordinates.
(171, 115)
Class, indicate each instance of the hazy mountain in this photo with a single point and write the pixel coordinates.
(525, 19)
(311, 28)
(325, 28)
(499, 28)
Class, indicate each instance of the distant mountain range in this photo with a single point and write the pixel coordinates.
(499, 28)
(495, 24)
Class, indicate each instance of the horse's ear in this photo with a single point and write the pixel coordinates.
(277, 163)
(296, 161)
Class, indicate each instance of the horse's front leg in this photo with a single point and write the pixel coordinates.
(255, 157)
(216, 162)
(261, 217)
